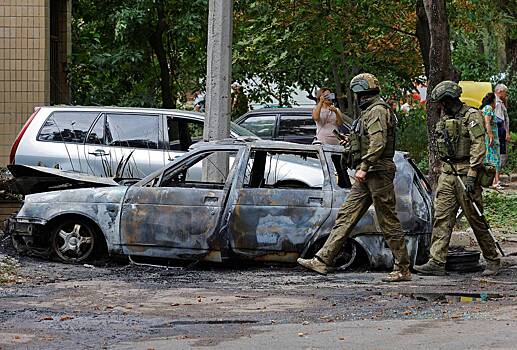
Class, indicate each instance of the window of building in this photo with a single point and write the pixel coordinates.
(261, 125)
(67, 126)
(133, 130)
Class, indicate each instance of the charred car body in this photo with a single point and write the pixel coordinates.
(277, 202)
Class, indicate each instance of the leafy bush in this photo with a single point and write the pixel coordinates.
(511, 165)
(412, 136)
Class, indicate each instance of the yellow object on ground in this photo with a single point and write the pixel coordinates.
(474, 91)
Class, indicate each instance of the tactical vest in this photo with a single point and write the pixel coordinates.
(453, 138)
(360, 139)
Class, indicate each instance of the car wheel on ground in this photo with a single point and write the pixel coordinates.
(345, 258)
(74, 240)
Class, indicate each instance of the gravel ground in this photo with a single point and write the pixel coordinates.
(48, 305)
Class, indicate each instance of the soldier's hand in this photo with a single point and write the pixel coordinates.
(360, 175)
(343, 142)
(470, 185)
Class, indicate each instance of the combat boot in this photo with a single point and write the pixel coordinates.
(491, 269)
(314, 264)
(398, 276)
(431, 268)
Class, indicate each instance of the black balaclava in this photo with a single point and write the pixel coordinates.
(365, 99)
(451, 106)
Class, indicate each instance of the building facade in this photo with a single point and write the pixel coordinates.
(35, 46)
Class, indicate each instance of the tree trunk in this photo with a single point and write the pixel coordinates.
(339, 88)
(156, 41)
(422, 34)
(440, 69)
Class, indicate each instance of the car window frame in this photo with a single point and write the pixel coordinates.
(331, 168)
(160, 126)
(101, 115)
(275, 124)
(309, 117)
(166, 140)
(51, 114)
(188, 157)
(327, 182)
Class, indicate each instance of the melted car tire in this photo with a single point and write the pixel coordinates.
(345, 258)
(73, 227)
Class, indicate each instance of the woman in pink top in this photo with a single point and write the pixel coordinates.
(327, 117)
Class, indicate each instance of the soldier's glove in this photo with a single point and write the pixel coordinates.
(470, 185)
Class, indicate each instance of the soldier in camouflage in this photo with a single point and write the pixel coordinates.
(370, 152)
(460, 140)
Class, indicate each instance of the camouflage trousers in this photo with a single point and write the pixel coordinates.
(377, 189)
(450, 196)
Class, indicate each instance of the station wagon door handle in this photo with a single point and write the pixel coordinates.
(315, 200)
(99, 152)
(209, 199)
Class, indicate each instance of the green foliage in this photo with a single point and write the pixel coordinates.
(500, 211)
(114, 61)
(279, 45)
(412, 136)
(511, 164)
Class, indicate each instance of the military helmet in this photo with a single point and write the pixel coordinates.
(444, 89)
(364, 82)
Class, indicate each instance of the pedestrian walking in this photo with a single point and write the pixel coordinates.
(461, 142)
(370, 151)
(239, 101)
(503, 121)
(327, 117)
(493, 156)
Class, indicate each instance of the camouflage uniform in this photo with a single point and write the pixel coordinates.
(468, 149)
(376, 143)
(239, 104)
(377, 189)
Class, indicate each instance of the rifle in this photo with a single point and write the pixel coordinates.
(448, 160)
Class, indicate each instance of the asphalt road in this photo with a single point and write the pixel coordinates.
(120, 306)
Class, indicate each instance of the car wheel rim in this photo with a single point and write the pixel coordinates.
(73, 242)
(346, 256)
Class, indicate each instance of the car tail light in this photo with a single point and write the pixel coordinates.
(20, 135)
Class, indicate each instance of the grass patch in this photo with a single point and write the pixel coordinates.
(501, 211)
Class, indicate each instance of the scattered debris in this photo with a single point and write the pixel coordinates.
(8, 269)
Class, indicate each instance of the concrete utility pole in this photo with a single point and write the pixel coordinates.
(219, 72)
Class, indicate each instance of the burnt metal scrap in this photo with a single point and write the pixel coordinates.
(34, 179)
(278, 202)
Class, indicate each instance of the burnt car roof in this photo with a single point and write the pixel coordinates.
(259, 143)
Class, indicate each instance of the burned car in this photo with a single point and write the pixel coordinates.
(274, 201)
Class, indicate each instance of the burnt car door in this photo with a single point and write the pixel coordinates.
(176, 215)
(281, 199)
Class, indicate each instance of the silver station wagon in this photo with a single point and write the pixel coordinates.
(108, 141)
(275, 201)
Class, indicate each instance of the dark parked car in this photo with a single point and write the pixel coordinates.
(283, 124)
(278, 202)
